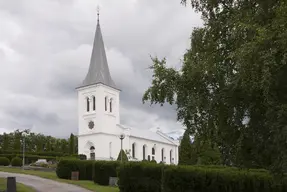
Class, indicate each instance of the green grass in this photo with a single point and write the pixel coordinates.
(20, 187)
(52, 175)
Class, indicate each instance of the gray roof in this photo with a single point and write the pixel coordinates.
(99, 69)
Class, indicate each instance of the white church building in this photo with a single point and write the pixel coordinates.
(99, 128)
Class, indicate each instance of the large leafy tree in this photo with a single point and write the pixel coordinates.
(185, 150)
(231, 89)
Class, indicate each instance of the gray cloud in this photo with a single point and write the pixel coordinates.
(45, 49)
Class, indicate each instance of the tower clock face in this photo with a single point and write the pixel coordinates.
(91, 124)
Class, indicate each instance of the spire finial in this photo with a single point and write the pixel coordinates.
(98, 13)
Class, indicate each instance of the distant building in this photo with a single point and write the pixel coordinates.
(99, 119)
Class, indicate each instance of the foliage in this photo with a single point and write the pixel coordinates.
(72, 144)
(16, 161)
(82, 157)
(203, 179)
(185, 150)
(124, 156)
(231, 88)
(66, 167)
(139, 176)
(28, 158)
(36, 143)
(4, 161)
(103, 170)
(5, 145)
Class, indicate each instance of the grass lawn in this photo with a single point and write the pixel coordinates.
(52, 175)
(20, 186)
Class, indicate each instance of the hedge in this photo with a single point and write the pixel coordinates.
(103, 170)
(140, 177)
(28, 158)
(200, 179)
(66, 167)
(46, 153)
(97, 171)
(4, 161)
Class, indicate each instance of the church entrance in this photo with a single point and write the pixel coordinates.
(92, 153)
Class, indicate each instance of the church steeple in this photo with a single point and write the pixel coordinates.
(99, 69)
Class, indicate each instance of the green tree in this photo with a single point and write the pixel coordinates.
(208, 154)
(185, 150)
(72, 144)
(124, 156)
(17, 141)
(5, 142)
(231, 89)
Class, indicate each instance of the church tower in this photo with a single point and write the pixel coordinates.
(98, 101)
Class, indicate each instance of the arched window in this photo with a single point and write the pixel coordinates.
(110, 146)
(94, 103)
(133, 150)
(170, 155)
(92, 153)
(144, 152)
(162, 154)
(148, 157)
(111, 105)
(153, 151)
(106, 103)
(88, 104)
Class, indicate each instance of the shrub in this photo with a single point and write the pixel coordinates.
(4, 161)
(28, 158)
(125, 157)
(200, 179)
(16, 161)
(82, 157)
(140, 176)
(66, 167)
(103, 170)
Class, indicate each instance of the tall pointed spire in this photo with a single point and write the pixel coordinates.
(99, 69)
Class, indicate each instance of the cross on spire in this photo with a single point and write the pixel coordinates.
(98, 13)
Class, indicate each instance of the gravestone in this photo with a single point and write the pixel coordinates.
(113, 181)
(75, 175)
(11, 184)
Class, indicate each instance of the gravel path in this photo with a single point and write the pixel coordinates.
(43, 185)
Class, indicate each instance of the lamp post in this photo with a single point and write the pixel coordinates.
(122, 136)
(23, 161)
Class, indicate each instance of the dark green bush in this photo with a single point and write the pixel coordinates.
(140, 177)
(4, 161)
(46, 153)
(28, 158)
(103, 170)
(122, 154)
(202, 179)
(82, 157)
(16, 161)
(66, 167)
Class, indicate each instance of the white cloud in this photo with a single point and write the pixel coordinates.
(45, 48)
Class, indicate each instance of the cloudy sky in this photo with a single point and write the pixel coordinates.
(45, 48)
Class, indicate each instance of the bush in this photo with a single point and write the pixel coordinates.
(28, 158)
(103, 170)
(4, 161)
(200, 179)
(82, 157)
(140, 177)
(46, 153)
(125, 157)
(66, 167)
(16, 161)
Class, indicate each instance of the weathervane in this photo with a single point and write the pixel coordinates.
(98, 12)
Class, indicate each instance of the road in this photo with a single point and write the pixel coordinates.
(43, 185)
